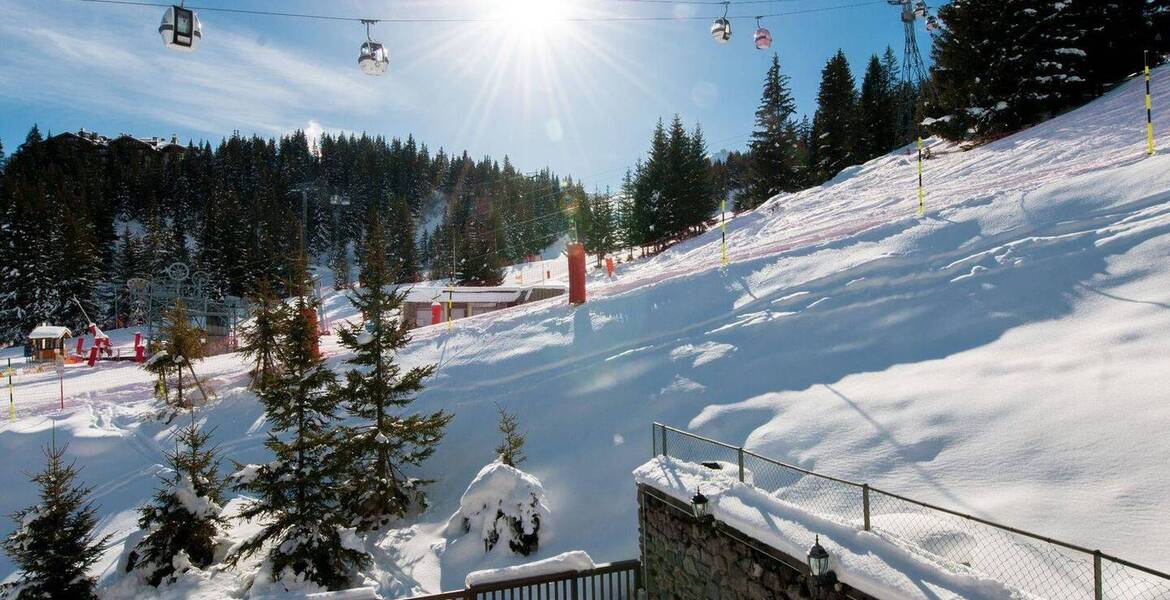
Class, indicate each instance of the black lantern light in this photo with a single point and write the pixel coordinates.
(699, 505)
(818, 561)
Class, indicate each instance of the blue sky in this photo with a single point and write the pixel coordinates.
(581, 98)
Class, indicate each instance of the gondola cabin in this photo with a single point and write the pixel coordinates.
(47, 342)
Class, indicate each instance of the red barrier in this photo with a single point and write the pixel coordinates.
(137, 339)
(140, 354)
(80, 345)
(436, 313)
(609, 266)
(576, 273)
(93, 352)
(311, 315)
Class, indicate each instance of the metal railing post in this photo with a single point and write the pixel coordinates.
(573, 587)
(740, 452)
(653, 442)
(1098, 588)
(865, 504)
(664, 452)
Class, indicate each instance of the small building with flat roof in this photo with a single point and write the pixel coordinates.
(466, 301)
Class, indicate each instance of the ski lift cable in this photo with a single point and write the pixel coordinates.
(323, 17)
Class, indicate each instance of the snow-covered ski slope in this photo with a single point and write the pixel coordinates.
(1005, 355)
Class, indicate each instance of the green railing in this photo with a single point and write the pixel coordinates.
(1037, 565)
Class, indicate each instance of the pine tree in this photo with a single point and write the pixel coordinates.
(384, 441)
(650, 187)
(297, 494)
(600, 226)
(1001, 66)
(339, 265)
(479, 263)
(183, 346)
(877, 109)
(54, 543)
(263, 336)
(834, 124)
(511, 448)
(774, 166)
(186, 515)
(700, 191)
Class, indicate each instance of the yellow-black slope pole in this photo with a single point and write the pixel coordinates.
(921, 190)
(723, 230)
(1149, 108)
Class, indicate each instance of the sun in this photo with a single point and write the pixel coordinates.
(533, 17)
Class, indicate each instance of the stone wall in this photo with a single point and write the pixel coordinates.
(684, 559)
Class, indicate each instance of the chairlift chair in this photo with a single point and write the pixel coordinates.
(180, 29)
(373, 58)
(721, 28)
(763, 37)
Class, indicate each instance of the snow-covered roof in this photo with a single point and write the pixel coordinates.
(49, 332)
(487, 295)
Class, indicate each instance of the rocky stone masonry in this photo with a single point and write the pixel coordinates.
(685, 559)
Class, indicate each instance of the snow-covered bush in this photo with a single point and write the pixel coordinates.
(505, 506)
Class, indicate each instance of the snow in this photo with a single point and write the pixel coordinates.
(862, 560)
(199, 506)
(1030, 391)
(565, 562)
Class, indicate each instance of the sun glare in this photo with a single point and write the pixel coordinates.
(535, 16)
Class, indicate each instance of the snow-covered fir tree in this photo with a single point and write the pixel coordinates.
(384, 440)
(54, 543)
(504, 508)
(297, 494)
(185, 517)
(774, 166)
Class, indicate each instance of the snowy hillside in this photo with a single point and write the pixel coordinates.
(1004, 355)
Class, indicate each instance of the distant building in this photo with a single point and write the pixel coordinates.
(468, 301)
(47, 342)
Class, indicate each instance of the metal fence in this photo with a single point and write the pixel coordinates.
(1039, 566)
(610, 581)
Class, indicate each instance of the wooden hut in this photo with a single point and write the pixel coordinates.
(47, 342)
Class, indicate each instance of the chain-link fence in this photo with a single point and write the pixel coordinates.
(1038, 566)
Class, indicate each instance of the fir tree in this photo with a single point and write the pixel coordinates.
(511, 448)
(479, 263)
(54, 543)
(877, 108)
(297, 494)
(339, 264)
(700, 191)
(262, 337)
(183, 346)
(774, 166)
(384, 441)
(185, 516)
(834, 124)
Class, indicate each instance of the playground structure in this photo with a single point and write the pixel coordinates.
(218, 315)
